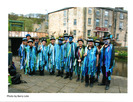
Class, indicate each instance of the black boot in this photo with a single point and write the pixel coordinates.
(82, 79)
(67, 75)
(50, 73)
(101, 84)
(107, 87)
(86, 84)
(91, 84)
(62, 73)
(71, 73)
(58, 73)
(78, 78)
(53, 72)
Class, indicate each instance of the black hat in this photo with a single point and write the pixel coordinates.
(30, 40)
(52, 38)
(66, 35)
(71, 35)
(90, 40)
(60, 38)
(105, 38)
(44, 39)
(80, 40)
(97, 41)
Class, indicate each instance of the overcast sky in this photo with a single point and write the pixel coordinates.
(37, 10)
(44, 6)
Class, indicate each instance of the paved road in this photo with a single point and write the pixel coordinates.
(53, 84)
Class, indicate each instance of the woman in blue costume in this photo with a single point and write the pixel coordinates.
(107, 62)
(66, 43)
(70, 58)
(60, 57)
(30, 58)
(80, 52)
(22, 53)
(98, 44)
(42, 58)
(51, 55)
(90, 63)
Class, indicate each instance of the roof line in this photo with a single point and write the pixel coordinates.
(109, 8)
(61, 9)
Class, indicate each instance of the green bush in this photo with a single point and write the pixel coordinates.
(48, 41)
(122, 54)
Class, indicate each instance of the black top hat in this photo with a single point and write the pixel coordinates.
(105, 38)
(44, 39)
(90, 40)
(80, 40)
(66, 35)
(71, 35)
(52, 38)
(97, 41)
(60, 38)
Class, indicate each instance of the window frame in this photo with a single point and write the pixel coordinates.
(97, 11)
(89, 21)
(106, 13)
(121, 25)
(88, 33)
(89, 10)
(65, 13)
(75, 23)
(106, 25)
(96, 22)
(121, 17)
(74, 32)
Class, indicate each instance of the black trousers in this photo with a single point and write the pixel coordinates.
(31, 72)
(89, 78)
(41, 71)
(98, 70)
(105, 79)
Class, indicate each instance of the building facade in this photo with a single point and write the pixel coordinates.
(90, 21)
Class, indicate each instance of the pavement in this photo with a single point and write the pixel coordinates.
(52, 84)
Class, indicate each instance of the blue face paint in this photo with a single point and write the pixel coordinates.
(70, 39)
(97, 44)
(65, 38)
(60, 41)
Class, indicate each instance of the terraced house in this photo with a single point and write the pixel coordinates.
(90, 21)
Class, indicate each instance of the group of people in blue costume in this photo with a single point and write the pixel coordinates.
(69, 57)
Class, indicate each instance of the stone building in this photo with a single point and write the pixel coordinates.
(90, 21)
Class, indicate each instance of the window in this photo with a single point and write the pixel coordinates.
(75, 22)
(106, 13)
(121, 16)
(89, 21)
(106, 23)
(65, 13)
(89, 10)
(117, 38)
(97, 22)
(121, 25)
(98, 12)
(64, 23)
(89, 31)
(74, 32)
